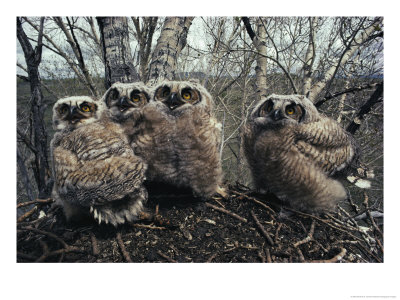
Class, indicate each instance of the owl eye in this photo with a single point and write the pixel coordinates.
(135, 98)
(63, 109)
(165, 93)
(186, 95)
(290, 110)
(85, 108)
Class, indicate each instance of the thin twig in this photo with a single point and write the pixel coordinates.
(122, 247)
(37, 201)
(166, 257)
(95, 245)
(264, 232)
(27, 214)
(301, 256)
(268, 254)
(309, 236)
(334, 259)
(277, 233)
(220, 209)
(211, 257)
(269, 209)
(49, 234)
(148, 226)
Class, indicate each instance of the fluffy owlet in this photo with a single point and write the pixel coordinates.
(179, 138)
(295, 152)
(95, 169)
(125, 102)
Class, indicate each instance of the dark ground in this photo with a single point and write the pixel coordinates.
(249, 228)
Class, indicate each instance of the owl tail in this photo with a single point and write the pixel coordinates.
(118, 212)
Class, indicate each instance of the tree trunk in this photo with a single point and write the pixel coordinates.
(261, 68)
(310, 57)
(116, 50)
(169, 45)
(33, 59)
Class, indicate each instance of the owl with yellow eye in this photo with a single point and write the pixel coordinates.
(125, 102)
(297, 153)
(180, 138)
(95, 170)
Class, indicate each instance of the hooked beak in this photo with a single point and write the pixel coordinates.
(173, 101)
(123, 103)
(276, 115)
(73, 114)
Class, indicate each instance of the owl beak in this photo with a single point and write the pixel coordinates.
(74, 114)
(173, 101)
(123, 103)
(276, 115)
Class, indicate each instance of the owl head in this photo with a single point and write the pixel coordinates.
(179, 96)
(73, 112)
(126, 99)
(283, 110)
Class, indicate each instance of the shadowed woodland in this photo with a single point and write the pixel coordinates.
(337, 62)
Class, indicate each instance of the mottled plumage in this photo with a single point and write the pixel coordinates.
(295, 152)
(179, 138)
(95, 169)
(125, 102)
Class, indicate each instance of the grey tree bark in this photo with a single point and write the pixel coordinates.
(33, 58)
(116, 50)
(169, 45)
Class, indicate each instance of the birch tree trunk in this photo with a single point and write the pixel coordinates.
(33, 58)
(169, 45)
(310, 57)
(359, 39)
(261, 68)
(116, 50)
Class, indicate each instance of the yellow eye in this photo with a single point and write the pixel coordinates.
(290, 110)
(135, 98)
(85, 108)
(186, 95)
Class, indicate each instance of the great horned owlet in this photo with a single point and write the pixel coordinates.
(96, 172)
(125, 102)
(295, 152)
(180, 137)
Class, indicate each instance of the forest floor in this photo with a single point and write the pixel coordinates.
(244, 227)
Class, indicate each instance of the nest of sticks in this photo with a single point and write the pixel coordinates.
(245, 227)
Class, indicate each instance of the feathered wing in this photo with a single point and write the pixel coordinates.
(96, 182)
(96, 169)
(327, 144)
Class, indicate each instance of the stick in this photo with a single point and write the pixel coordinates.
(264, 232)
(123, 249)
(269, 209)
(277, 233)
(166, 257)
(37, 201)
(148, 226)
(49, 234)
(95, 246)
(269, 260)
(301, 256)
(334, 259)
(226, 212)
(211, 258)
(308, 238)
(27, 214)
